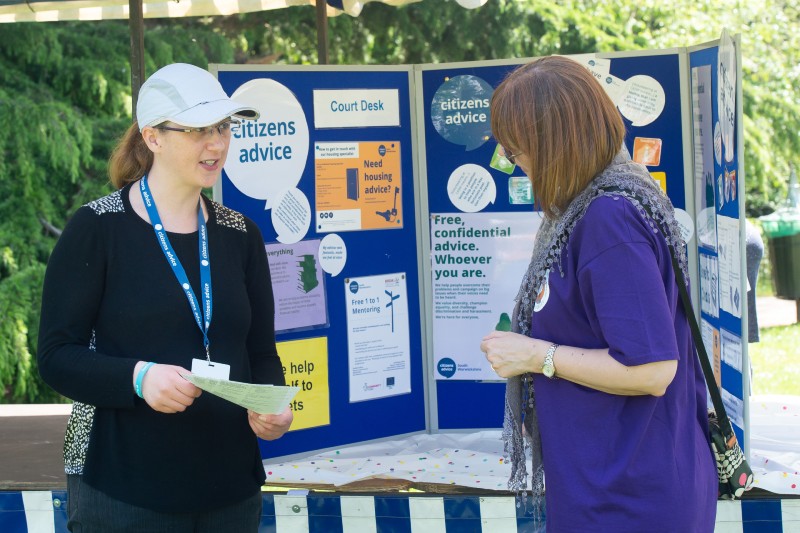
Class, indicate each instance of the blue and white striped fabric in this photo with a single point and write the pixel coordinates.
(45, 512)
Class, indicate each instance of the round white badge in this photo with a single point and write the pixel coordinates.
(543, 294)
(471, 188)
(332, 254)
(644, 100)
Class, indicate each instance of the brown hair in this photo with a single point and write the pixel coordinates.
(131, 158)
(554, 112)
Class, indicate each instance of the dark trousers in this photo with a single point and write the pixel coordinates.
(92, 511)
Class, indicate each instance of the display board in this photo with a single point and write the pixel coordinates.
(719, 214)
(397, 234)
(480, 211)
(327, 173)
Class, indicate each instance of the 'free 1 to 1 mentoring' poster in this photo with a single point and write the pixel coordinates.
(378, 344)
(358, 186)
(477, 264)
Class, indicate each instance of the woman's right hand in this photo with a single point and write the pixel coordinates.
(512, 354)
(165, 390)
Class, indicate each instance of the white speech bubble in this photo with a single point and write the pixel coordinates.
(717, 143)
(599, 68)
(643, 101)
(471, 188)
(686, 224)
(332, 254)
(726, 92)
(268, 155)
(291, 215)
(614, 87)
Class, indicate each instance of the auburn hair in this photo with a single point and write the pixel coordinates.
(554, 112)
(131, 158)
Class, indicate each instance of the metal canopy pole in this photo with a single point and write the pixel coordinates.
(136, 25)
(322, 31)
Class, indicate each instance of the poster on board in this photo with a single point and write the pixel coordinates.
(705, 197)
(477, 263)
(305, 366)
(377, 336)
(358, 186)
(298, 285)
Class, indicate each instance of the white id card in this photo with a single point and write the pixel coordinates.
(207, 369)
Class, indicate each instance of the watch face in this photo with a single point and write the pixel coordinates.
(548, 370)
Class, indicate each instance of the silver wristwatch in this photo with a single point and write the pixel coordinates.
(549, 368)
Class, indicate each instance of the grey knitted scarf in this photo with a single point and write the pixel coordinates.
(623, 178)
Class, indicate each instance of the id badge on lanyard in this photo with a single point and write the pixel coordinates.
(202, 315)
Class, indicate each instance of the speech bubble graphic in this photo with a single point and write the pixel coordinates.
(717, 143)
(291, 215)
(460, 111)
(268, 155)
(643, 101)
(471, 188)
(726, 93)
(332, 254)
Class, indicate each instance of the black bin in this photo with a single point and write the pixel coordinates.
(784, 254)
(783, 235)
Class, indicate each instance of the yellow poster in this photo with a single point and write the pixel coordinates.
(305, 365)
(661, 178)
(358, 186)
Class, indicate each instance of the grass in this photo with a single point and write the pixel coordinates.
(776, 360)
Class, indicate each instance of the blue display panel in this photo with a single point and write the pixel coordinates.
(723, 297)
(389, 247)
(462, 404)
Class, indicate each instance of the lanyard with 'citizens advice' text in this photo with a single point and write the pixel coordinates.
(177, 267)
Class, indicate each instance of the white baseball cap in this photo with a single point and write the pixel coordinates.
(186, 95)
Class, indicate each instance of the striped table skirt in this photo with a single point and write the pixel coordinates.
(45, 512)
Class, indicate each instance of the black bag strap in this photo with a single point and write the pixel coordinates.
(700, 348)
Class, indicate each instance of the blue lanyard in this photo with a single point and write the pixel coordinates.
(177, 267)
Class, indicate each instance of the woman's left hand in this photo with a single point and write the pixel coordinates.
(511, 354)
(270, 427)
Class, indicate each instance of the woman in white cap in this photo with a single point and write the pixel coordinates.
(145, 285)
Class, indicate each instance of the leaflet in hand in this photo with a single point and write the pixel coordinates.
(263, 399)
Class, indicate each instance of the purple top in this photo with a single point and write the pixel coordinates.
(622, 463)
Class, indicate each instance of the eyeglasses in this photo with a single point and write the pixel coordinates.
(511, 158)
(206, 132)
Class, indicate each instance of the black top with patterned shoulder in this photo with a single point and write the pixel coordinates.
(111, 299)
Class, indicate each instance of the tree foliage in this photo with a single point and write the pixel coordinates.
(65, 98)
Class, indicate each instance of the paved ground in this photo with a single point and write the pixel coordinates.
(31, 442)
(775, 312)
